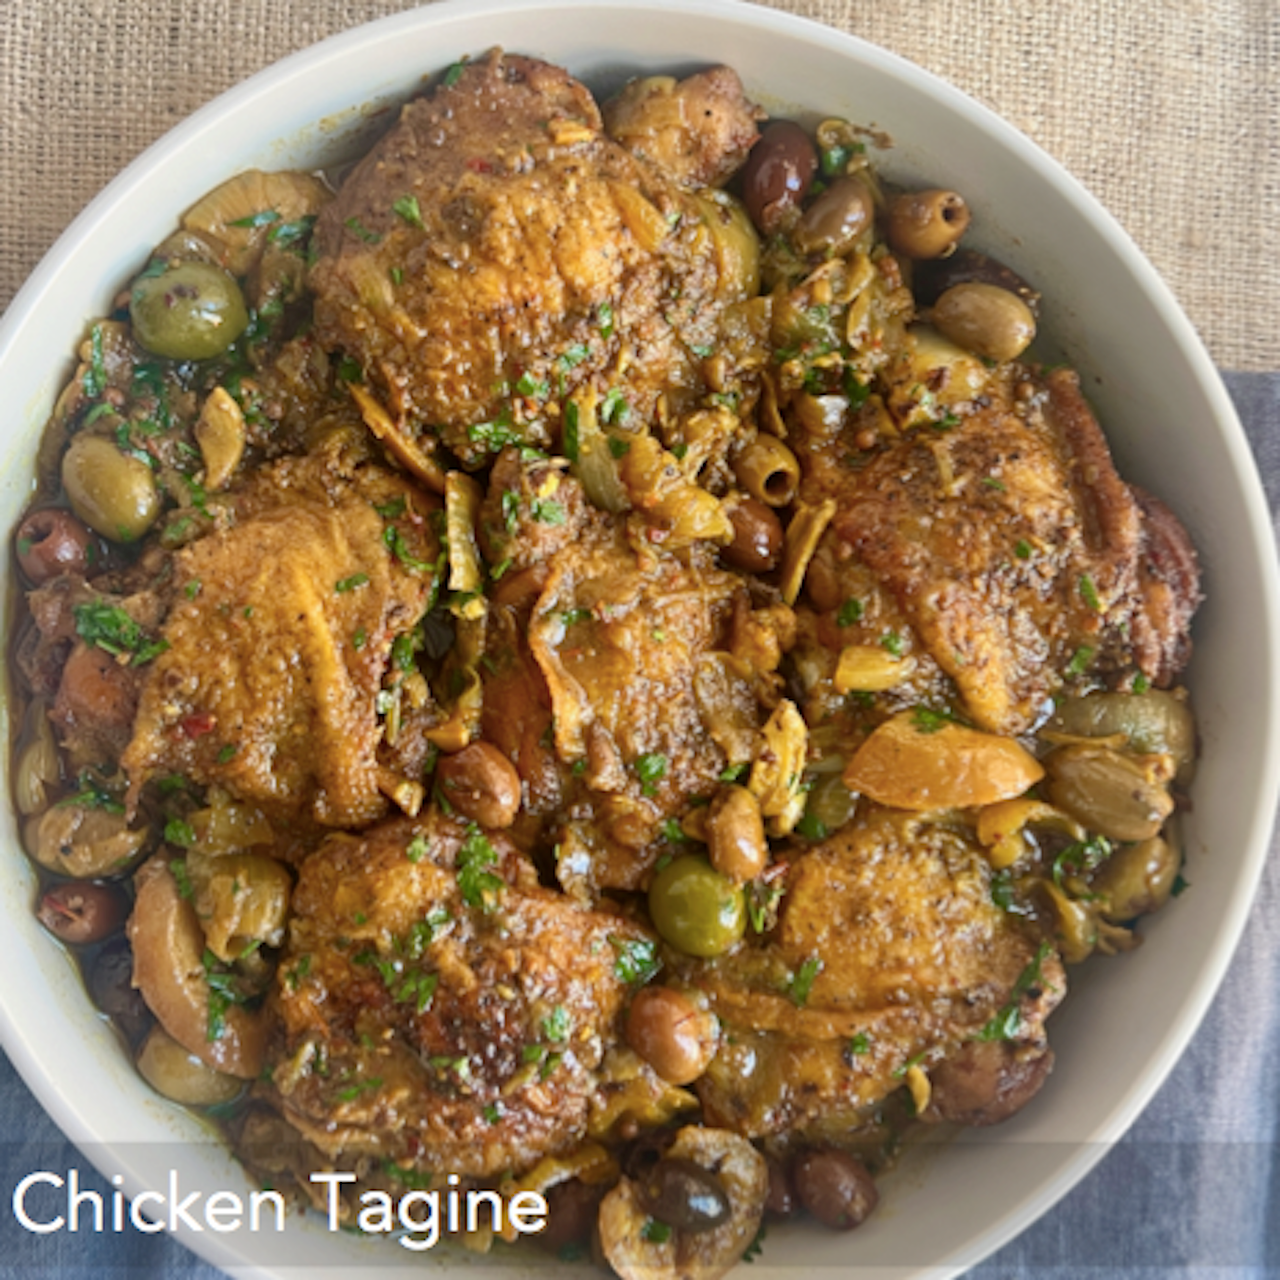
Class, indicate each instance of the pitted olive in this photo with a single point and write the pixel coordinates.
(926, 224)
(51, 541)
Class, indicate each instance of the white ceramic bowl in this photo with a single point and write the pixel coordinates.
(1172, 428)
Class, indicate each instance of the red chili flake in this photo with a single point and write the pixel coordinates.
(198, 724)
(478, 164)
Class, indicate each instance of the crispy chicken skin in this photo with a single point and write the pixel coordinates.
(279, 637)
(438, 1008)
(497, 244)
(908, 958)
(1011, 548)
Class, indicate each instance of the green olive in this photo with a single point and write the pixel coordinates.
(176, 1074)
(985, 319)
(1154, 721)
(695, 908)
(110, 491)
(1137, 879)
(1122, 797)
(190, 311)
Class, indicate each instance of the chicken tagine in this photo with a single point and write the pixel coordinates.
(586, 652)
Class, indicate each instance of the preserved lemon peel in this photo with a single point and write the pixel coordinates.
(947, 766)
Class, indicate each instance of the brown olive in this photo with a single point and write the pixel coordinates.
(51, 541)
(777, 175)
(735, 834)
(780, 1201)
(932, 279)
(836, 218)
(112, 989)
(481, 784)
(112, 492)
(985, 1082)
(835, 1188)
(670, 1032)
(926, 224)
(98, 692)
(84, 911)
(572, 1207)
(757, 537)
(985, 319)
(685, 1196)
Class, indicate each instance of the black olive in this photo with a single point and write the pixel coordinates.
(112, 989)
(684, 1196)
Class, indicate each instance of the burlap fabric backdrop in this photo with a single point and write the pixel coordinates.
(1168, 110)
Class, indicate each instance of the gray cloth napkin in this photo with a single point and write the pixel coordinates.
(1192, 1192)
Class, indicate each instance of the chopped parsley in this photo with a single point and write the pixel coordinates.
(614, 408)
(477, 884)
(733, 772)
(762, 904)
(1140, 683)
(1022, 549)
(926, 720)
(352, 583)
(110, 628)
(1089, 593)
(361, 232)
(1005, 1024)
(454, 74)
(349, 370)
(394, 540)
(1080, 661)
(417, 849)
(545, 511)
(178, 869)
(557, 1025)
(893, 642)
(573, 356)
(850, 612)
(802, 981)
(651, 768)
(227, 753)
(397, 275)
(263, 218)
(605, 314)
(407, 207)
(859, 1044)
(1080, 858)
(635, 959)
(492, 1112)
(528, 385)
(224, 991)
(95, 376)
(179, 832)
(655, 1232)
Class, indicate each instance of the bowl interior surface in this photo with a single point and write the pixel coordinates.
(1169, 420)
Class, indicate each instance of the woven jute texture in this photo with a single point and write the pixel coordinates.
(1167, 110)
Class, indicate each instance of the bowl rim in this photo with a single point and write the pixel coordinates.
(146, 168)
